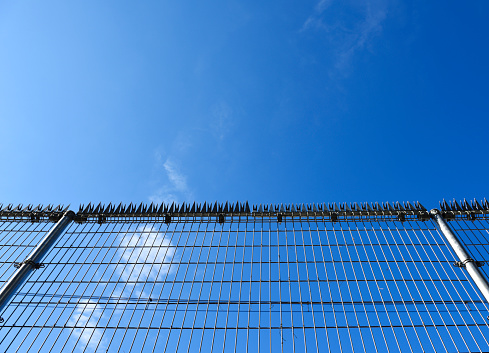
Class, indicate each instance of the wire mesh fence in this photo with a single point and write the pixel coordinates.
(245, 282)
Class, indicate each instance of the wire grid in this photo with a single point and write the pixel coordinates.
(17, 240)
(475, 237)
(250, 284)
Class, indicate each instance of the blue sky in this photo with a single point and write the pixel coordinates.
(266, 101)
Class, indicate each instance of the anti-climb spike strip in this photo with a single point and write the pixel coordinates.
(341, 211)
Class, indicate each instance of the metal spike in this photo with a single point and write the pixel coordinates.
(139, 208)
(457, 206)
(476, 205)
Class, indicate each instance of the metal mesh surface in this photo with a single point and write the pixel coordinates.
(249, 284)
(17, 240)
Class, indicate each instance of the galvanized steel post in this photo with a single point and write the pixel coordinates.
(465, 260)
(32, 261)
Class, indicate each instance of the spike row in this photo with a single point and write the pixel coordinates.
(334, 211)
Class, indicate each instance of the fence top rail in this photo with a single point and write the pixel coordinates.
(326, 211)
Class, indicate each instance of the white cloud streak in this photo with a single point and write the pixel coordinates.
(345, 37)
(175, 188)
(148, 254)
(178, 180)
(87, 313)
(145, 256)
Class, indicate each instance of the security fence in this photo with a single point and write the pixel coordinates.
(235, 278)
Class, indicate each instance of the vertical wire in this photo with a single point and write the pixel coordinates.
(136, 282)
(201, 283)
(120, 277)
(468, 310)
(309, 283)
(460, 280)
(381, 247)
(191, 287)
(231, 282)
(166, 250)
(220, 285)
(181, 288)
(173, 255)
(240, 284)
(26, 306)
(318, 280)
(426, 287)
(206, 263)
(42, 311)
(21, 231)
(279, 263)
(348, 280)
(299, 285)
(212, 280)
(329, 287)
(393, 234)
(88, 301)
(290, 287)
(116, 238)
(59, 241)
(260, 282)
(339, 288)
(226, 249)
(354, 276)
(71, 275)
(438, 292)
(270, 279)
(355, 246)
(397, 231)
(395, 283)
(91, 294)
(480, 256)
(251, 283)
(161, 266)
(143, 268)
(484, 232)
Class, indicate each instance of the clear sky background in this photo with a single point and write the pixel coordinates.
(265, 101)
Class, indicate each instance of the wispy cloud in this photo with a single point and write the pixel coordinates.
(84, 319)
(222, 120)
(144, 255)
(148, 255)
(175, 187)
(348, 27)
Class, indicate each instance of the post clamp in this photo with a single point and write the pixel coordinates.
(34, 265)
(462, 263)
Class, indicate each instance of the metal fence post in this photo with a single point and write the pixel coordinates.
(32, 261)
(465, 260)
